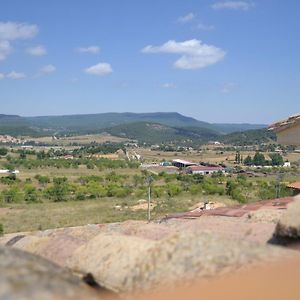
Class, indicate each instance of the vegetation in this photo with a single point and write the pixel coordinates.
(175, 126)
(249, 137)
(259, 160)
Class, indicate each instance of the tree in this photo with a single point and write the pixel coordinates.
(238, 157)
(259, 159)
(30, 193)
(276, 159)
(59, 191)
(23, 155)
(248, 161)
(43, 180)
(3, 151)
(11, 195)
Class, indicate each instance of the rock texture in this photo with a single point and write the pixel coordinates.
(25, 276)
(134, 255)
(126, 264)
(289, 224)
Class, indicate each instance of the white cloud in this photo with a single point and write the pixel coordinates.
(37, 51)
(228, 87)
(187, 18)
(15, 75)
(233, 5)
(13, 31)
(169, 85)
(99, 69)
(202, 26)
(45, 70)
(2, 76)
(5, 49)
(90, 49)
(10, 31)
(48, 69)
(194, 54)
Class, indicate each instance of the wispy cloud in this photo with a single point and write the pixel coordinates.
(2, 76)
(90, 49)
(169, 85)
(187, 18)
(45, 70)
(194, 53)
(5, 49)
(48, 69)
(37, 50)
(10, 31)
(99, 69)
(228, 87)
(233, 5)
(205, 27)
(15, 75)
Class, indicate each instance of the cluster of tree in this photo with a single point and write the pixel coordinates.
(103, 163)
(104, 148)
(164, 186)
(260, 160)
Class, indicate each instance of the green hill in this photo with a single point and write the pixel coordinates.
(249, 137)
(146, 127)
(15, 126)
(93, 122)
(155, 133)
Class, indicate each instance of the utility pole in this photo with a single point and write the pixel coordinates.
(149, 180)
(278, 183)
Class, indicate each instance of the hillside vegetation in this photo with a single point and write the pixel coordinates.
(151, 128)
(93, 122)
(158, 133)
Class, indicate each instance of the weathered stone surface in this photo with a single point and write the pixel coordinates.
(289, 224)
(135, 255)
(110, 258)
(26, 276)
(57, 244)
(265, 216)
(127, 264)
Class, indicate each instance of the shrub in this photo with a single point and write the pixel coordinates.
(30, 194)
(11, 195)
(3, 151)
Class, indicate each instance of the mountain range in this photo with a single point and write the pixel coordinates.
(148, 127)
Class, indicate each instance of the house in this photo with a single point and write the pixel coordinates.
(205, 170)
(295, 186)
(288, 130)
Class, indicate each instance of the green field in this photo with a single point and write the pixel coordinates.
(51, 191)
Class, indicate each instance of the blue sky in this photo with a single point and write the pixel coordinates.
(215, 60)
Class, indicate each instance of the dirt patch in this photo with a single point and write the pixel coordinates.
(3, 211)
(142, 205)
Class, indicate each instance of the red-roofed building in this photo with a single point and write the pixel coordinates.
(295, 186)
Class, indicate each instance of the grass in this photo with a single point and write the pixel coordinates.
(42, 216)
